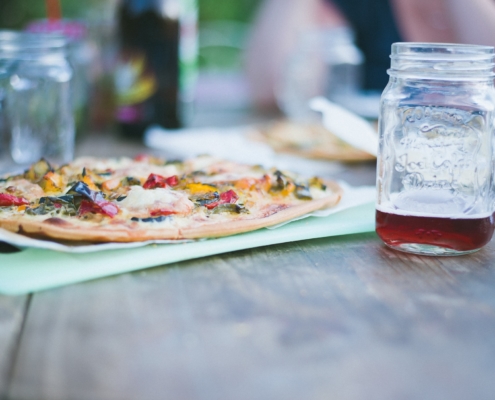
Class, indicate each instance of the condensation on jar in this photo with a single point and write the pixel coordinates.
(435, 161)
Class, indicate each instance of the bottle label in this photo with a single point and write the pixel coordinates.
(158, 67)
(135, 82)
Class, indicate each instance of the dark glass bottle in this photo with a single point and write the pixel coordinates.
(153, 76)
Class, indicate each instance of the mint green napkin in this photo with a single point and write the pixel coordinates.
(38, 269)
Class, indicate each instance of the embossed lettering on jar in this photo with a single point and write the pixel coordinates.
(435, 177)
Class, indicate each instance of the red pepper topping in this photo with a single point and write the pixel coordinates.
(7, 200)
(228, 197)
(158, 181)
(160, 212)
(92, 201)
(100, 207)
(108, 208)
(155, 181)
(86, 207)
(142, 157)
(172, 180)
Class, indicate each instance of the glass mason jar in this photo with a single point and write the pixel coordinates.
(82, 58)
(435, 161)
(35, 104)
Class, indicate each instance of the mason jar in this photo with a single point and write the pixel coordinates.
(82, 54)
(435, 161)
(35, 90)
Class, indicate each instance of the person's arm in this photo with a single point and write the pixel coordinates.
(274, 33)
(424, 21)
(447, 21)
(473, 20)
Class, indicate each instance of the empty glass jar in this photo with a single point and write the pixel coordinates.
(35, 97)
(435, 163)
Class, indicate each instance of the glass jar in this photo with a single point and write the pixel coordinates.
(82, 58)
(324, 63)
(36, 88)
(435, 161)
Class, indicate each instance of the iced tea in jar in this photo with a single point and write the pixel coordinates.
(435, 161)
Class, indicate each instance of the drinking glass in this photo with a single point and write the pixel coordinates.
(435, 161)
(35, 97)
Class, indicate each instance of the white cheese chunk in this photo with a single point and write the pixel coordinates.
(144, 200)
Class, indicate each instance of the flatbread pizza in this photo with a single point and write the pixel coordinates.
(147, 198)
(308, 140)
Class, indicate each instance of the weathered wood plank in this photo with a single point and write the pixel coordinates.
(341, 318)
(12, 310)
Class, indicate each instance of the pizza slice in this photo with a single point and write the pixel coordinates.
(308, 140)
(126, 200)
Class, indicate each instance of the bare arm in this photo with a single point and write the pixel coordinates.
(474, 20)
(274, 34)
(449, 21)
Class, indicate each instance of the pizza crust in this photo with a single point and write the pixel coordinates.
(74, 232)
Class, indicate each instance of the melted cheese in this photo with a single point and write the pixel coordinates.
(231, 176)
(144, 200)
(200, 162)
(124, 167)
(24, 188)
(143, 170)
(318, 193)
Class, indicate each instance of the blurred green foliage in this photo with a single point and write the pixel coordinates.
(238, 10)
(223, 24)
(15, 14)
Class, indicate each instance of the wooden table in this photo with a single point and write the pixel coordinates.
(333, 318)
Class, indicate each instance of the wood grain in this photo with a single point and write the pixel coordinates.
(340, 318)
(12, 311)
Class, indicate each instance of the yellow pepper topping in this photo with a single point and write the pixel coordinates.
(51, 182)
(195, 188)
(89, 181)
(111, 184)
(288, 189)
(245, 183)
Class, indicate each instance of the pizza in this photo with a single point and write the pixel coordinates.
(148, 198)
(308, 140)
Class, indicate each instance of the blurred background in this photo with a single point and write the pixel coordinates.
(223, 24)
(222, 27)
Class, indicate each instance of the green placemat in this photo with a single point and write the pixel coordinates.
(37, 269)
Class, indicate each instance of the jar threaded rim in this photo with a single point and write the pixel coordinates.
(447, 61)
